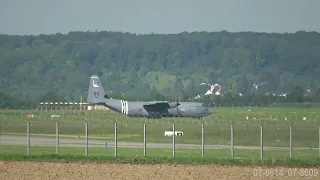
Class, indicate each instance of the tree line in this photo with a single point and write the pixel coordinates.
(158, 66)
(227, 100)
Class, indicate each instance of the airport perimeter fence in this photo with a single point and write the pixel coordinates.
(223, 135)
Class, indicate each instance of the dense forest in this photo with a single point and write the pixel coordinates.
(251, 68)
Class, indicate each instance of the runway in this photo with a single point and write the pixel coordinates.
(73, 142)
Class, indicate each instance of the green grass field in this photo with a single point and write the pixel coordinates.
(276, 121)
(135, 155)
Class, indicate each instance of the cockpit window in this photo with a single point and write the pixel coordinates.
(203, 105)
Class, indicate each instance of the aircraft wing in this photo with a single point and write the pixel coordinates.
(160, 104)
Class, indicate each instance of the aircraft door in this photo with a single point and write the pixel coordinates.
(200, 109)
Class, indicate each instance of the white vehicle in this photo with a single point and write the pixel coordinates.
(55, 116)
(170, 133)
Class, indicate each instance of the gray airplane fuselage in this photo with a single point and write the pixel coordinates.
(137, 109)
(150, 109)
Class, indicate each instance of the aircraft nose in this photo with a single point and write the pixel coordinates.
(207, 111)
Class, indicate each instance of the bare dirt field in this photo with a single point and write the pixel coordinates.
(11, 170)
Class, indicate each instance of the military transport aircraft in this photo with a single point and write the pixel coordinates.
(149, 109)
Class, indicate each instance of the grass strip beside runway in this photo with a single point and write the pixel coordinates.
(158, 156)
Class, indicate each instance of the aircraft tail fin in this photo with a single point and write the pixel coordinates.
(96, 93)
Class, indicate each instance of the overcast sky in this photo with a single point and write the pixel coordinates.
(162, 16)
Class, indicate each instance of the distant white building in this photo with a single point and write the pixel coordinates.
(210, 91)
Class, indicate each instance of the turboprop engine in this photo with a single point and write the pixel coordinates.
(174, 104)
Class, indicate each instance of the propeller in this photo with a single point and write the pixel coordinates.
(174, 104)
(177, 102)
